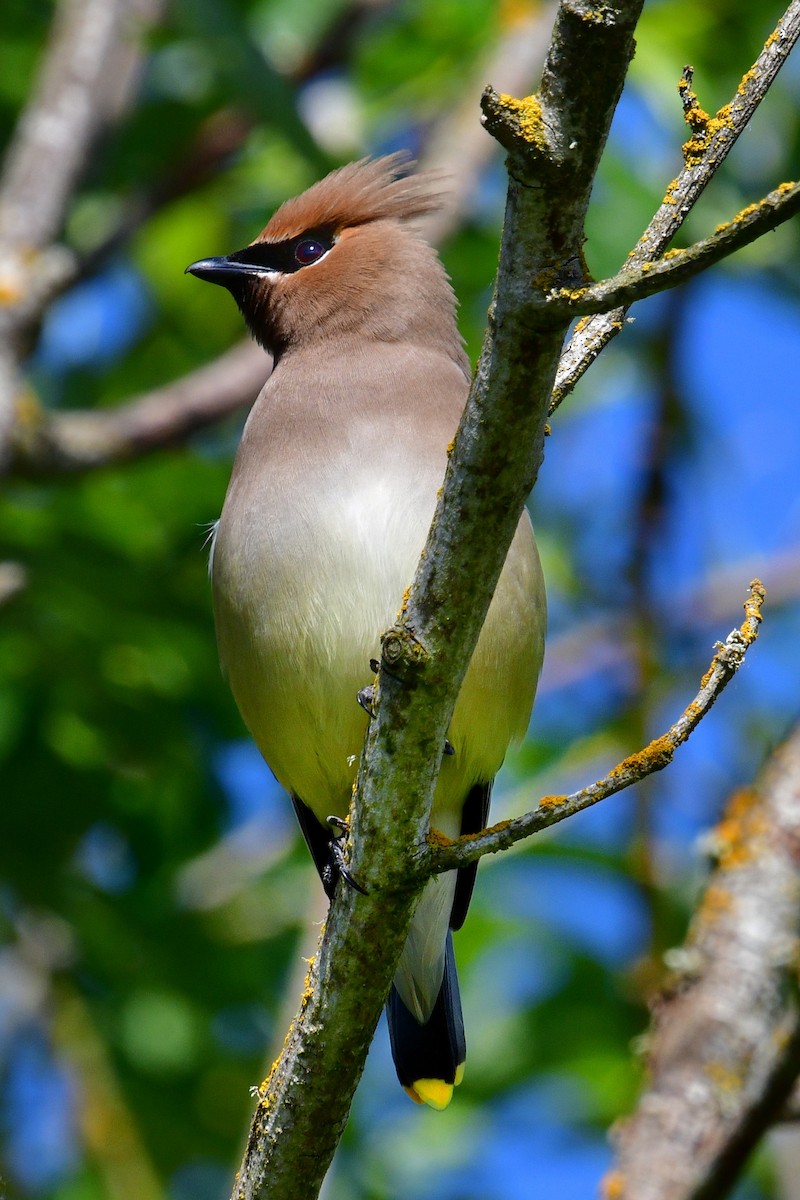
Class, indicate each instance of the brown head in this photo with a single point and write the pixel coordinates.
(341, 261)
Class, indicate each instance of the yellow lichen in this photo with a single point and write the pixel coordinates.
(574, 294)
(528, 114)
(748, 77)
(669, 195)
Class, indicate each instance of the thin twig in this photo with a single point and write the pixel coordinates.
(444, 855)
(704, 153)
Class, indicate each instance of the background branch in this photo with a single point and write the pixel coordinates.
(47, 444)
(69, 106)
(724, 1049)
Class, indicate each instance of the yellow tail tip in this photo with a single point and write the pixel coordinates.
(434, 1092)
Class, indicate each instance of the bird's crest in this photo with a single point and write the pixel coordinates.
(367, 190)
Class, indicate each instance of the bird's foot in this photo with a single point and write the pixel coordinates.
(337, 866)
(366, 699)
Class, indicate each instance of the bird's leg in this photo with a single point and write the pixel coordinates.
(337, 865)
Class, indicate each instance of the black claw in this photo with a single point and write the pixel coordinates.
(337, 854)
(365, 698)
(448, 747)
(338, 866)
(376, 667)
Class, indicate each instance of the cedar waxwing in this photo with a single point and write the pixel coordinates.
(332, 494)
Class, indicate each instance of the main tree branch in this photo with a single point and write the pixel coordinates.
(443, 855)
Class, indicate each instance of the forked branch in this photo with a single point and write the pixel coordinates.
(444, 855)
(711, 140)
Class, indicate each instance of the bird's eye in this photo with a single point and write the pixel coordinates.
(309, 250)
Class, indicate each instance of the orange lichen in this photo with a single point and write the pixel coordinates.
(438, 839)
(737, 836)
(716, 902)
(551, 801)
(654, 757)
(752, 611)
(612, 1186)
(704, 682)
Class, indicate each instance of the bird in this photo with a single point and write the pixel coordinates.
(330, 500)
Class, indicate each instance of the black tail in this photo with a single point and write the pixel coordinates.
(429, 1058)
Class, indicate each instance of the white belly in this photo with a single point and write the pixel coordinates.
(302, 595)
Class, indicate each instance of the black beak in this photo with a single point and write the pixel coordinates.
(225, 271)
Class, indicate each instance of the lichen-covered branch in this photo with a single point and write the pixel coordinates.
(304, 1104)
(723, 1052)
(635, 282)
(48, 444)
(444, 855)
(711, 140)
